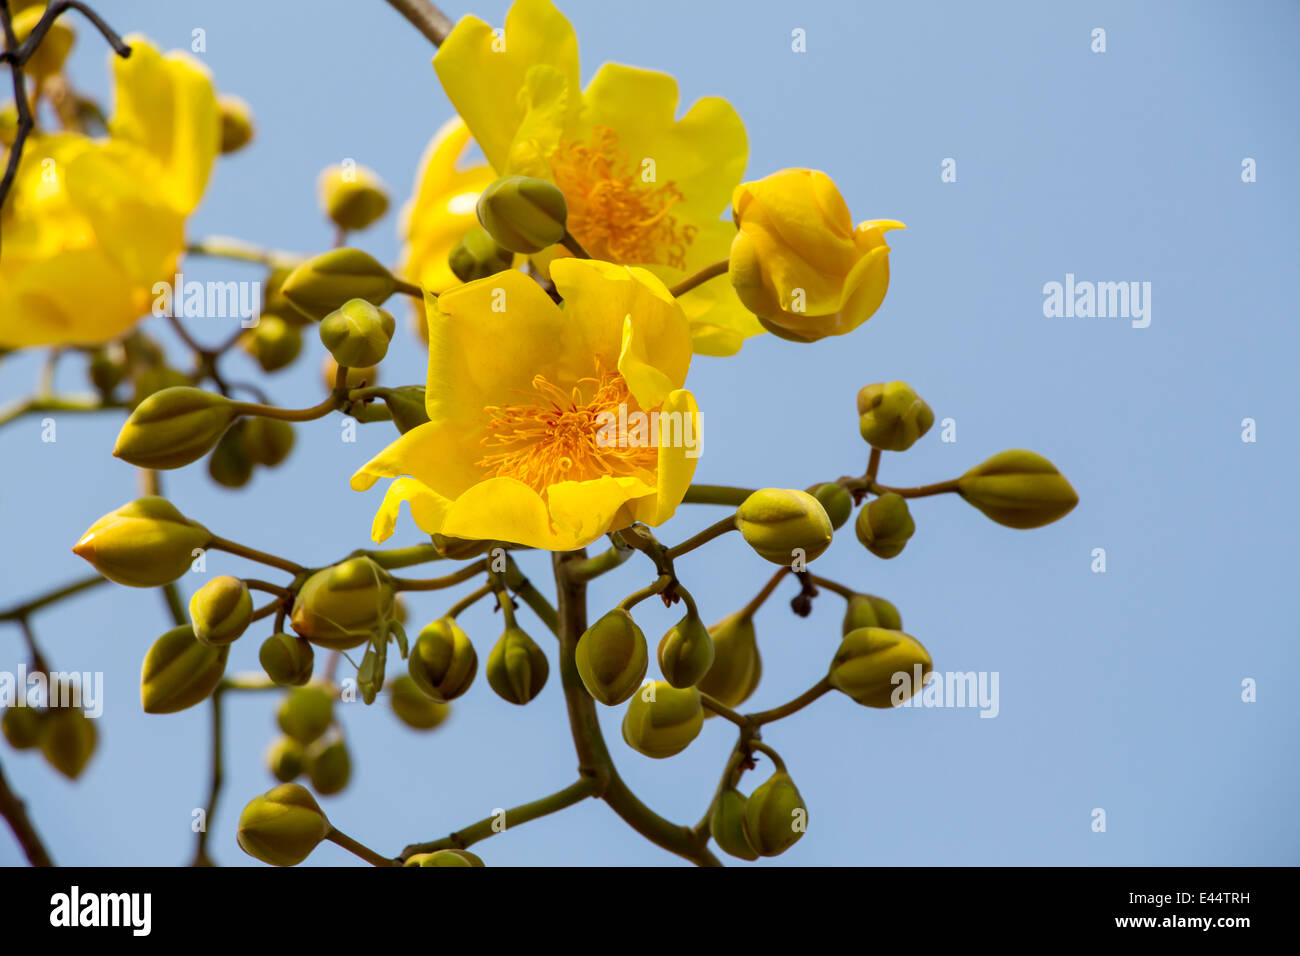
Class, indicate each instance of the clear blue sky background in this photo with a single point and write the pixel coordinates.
(1118, 690)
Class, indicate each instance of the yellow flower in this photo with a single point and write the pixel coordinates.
(642, 187)
(798, 262)
(91, 225)
(540, 429)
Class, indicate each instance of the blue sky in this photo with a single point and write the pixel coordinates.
(1119, 691)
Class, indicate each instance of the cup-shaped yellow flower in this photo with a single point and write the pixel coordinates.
(548, 427)
(798, 262)
(642, 187)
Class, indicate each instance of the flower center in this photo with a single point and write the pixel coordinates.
(613, 212)
(554, 435)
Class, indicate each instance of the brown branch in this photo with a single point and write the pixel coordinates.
(425, 17)
(13, 810)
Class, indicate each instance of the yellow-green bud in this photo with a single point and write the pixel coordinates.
(282, 826)
(174, 427)
(221, 610)
(885, 525)
(50, 53)
(329, 767)
(612, 657)
(236, 123)
(179, 672)
(737, 666)
(323, 283)
(273, 342)
(524, 215)
(685, 652)
(143, 544)
(1019, 489)
(352, 196)
(406, 405)
(228, 465)
(306, 713)
(891, 417)
(444, 858)
(273, 299)
(21, 726)
(661, 720)
(478, 256)
(107, 368)
(285, 758)
(357, 333)
(727, 825)
(867, 610)
(780, 523)
(266, 441)
(341, 607)
(836, 499)
(414, 707)
(67, 740)
(517, 668)
(775, 815)
(871, 663)
(151, 381)
(443, 662)
(287, 660)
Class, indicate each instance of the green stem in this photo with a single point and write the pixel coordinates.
(922, 491)
(359, 849)
(701, 277)
(574, 246)
(817, 690)
(331, 403)
(750, 609)
(715, 530)
(252, 554)
(658, 586)
(597, 565)
(401, 557)
(66, 403)
(842, 590)
(721, 709)
(36, 603)
(175, 606)
(469, 600)
(716, 495)
(446, 581)
(218, 776)
(224, 247)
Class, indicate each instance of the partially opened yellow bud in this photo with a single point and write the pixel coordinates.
(517, 668)
(891, 416)
(329, 767)
(341, 607)
(53, 49)
(179, 672)
(273, 342)
(414, 707)
(523, 214)
(874, 666)
(661, 720)
(221, 610)
(287, 660)
(324, 282)
(144, 544)
(236, 123)
(306, 713)
(444, 858)
(443, 662)
(357, 333)
(285, 758)
(885, 526)
(783, 525)
(686, 652)
(67, 740)
(1019, 489)
(612, 657)
(775, 815)
(282, 826)
(867, 610)
(736, 667)
(173, 427)
(352, 196)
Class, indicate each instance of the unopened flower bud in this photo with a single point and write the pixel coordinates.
(478, 256)
(174, 427)
(612, 657)
(221, 610)
(524, 215)
(727, 825)
(329, 767)
(867, 610)
(444, 858)
(266, 441)
(285, 758)
(282, 826)
(107, 368)
(406, 405)
(228, 465)
(352, 196)
(306, 713)
(517, 668)
(736, 667)
(1019, 489)
(891, 416)
(874, 665)
(144, 544)
(686, 652)
(353, 378)
(443, 662)
(885, 525)
(341, 607)
(661, 720)
(323, 283)
(414, 707)
(357, 333)
(273, 342)
(775, 815)
(21, 726)
(783, 525)
(836, 499)
(179, 672)
(287, 660)
(236, 123)
(48, 57)
(67, 740)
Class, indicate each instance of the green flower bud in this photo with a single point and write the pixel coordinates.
(352, 196)
(870, 659)
(323, 283)
(524, 215)
(282, 826)
(236, 123)
(612, 657)
(179, 672)
(1019, 489)
(273, 298)
(891, 417)
(685, 652)
(174, 427)
(287, 660)
(151, 381)
(21, 726)
(517, 668)
(406, 405)
(727, 825)
(478, 256)
(775, 815)
(273, 342)
(285, 758)
(662, 721)
(341, 607)
(867, 610)
(221, 610)
(143, 544)
(228, 466)
(357, 333)
(266, 441)
(414, 707)
(444, 858)
(443, 662)
(67, 740)
(107, 368)
(885, 526)
(306, 713)
(329, 767)
(836, 499)
(778, 523)
(737, 666)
